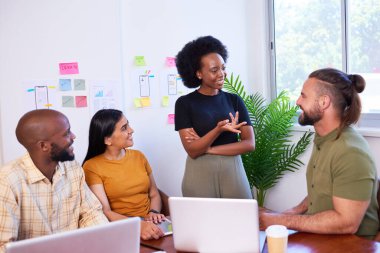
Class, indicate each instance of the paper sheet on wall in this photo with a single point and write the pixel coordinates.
(54, 94)
(144, 88)
(171, 87)
(40, 94)
(103, 95)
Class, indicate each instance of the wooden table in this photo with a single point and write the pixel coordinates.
(298, 242)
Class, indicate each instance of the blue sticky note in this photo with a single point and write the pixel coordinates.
(64, 84)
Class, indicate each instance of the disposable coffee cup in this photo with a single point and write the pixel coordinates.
(277, 238)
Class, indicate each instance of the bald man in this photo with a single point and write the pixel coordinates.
(44, 191)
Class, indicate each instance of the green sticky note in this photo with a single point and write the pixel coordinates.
(165, 101)
(137, 102)
(79, 84)
(140, 61)
(68, 101)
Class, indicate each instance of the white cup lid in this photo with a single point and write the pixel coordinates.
(276, 231)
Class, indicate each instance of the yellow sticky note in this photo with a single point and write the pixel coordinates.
(140, 60)
(137, 102)
(145, 101)
(165, 101)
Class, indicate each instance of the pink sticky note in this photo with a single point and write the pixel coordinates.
(170, 118)
(81, 101)
(170, 62)
(68, 68)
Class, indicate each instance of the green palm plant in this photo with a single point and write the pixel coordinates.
(275, 152)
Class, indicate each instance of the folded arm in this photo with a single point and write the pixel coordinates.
(196, 146)
(246, 144)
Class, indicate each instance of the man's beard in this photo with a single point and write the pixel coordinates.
(60, 155)
(311, 118)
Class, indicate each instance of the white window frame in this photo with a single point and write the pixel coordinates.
(369, 122)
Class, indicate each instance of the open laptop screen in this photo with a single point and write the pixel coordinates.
(116, 237)
(214, 225)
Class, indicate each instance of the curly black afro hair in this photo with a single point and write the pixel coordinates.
(188, 60)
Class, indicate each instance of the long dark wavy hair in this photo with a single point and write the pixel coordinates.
(102, 125)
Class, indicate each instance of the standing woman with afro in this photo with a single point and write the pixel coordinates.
(209, 121)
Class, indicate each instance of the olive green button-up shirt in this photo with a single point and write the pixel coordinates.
(344, 168)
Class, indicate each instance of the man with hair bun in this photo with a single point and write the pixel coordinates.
(341, 174)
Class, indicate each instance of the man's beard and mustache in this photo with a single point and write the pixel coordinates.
(310, 118)
(61, 155)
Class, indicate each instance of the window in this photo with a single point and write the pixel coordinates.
(312, 34)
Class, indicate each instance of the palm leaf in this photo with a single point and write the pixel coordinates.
(275, 153)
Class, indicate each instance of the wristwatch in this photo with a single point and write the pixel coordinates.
(153, 211)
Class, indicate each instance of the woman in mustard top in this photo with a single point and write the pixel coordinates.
(121, 178)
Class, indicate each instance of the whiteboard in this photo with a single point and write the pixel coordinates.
(104, 37)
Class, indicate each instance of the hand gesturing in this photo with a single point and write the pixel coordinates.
(232, 126)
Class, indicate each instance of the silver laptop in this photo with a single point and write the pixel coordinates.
(116, 237)
(215, 225)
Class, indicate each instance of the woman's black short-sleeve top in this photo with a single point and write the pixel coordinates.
(203, 112)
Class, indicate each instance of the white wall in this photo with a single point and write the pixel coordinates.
(37, 35)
